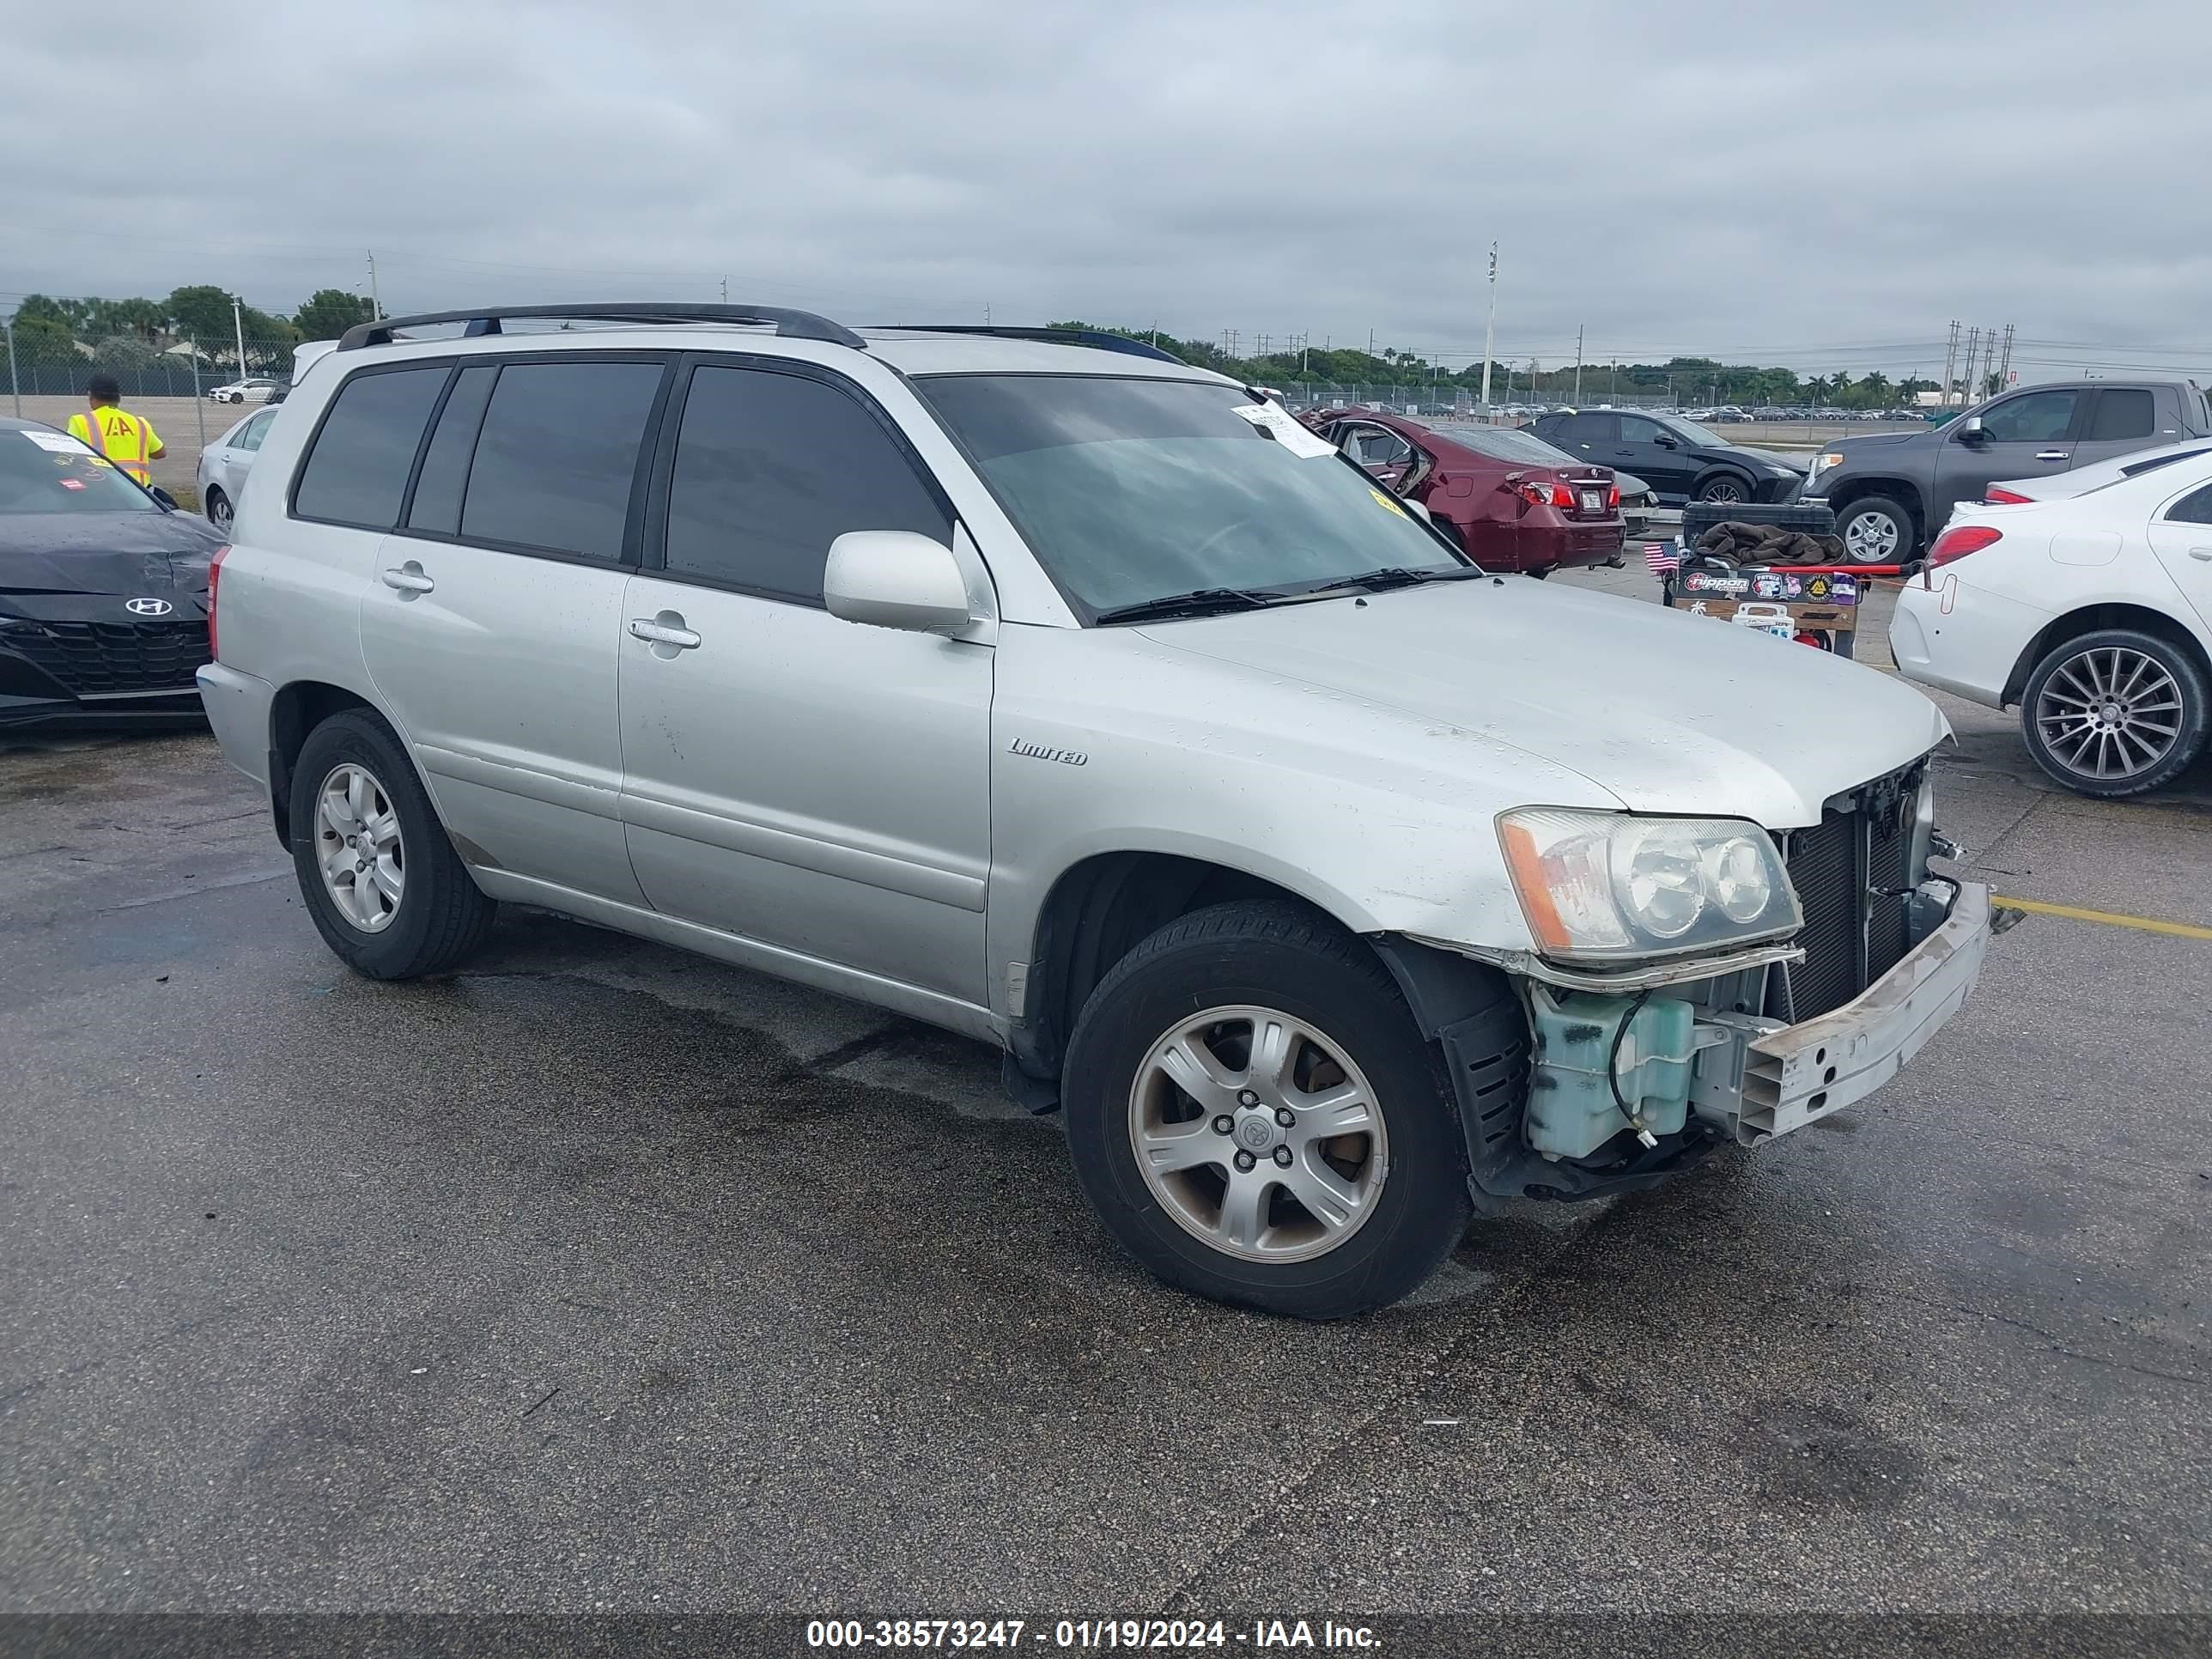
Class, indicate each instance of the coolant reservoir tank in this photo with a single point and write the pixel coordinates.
(1571, 1110)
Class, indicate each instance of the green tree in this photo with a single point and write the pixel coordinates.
(202, 313)
(124, 351)
(42, 341)
(328, 313)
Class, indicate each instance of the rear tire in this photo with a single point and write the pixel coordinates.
(380, 878)
(1725, 489)
(1877, 530)
(1389, 1140)
(2103, 703)
(217, 507)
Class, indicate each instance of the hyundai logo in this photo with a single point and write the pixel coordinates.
(148, 607)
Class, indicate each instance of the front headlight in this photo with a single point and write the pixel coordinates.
(1822, 463)
(1610, 886)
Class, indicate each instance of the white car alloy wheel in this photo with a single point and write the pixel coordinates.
(358, 848)
(1257, 1134)
(2109, 714)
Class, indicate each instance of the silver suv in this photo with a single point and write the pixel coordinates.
(1080, 701)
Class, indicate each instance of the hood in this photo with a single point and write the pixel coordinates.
(1746, 452)
(63, 566)
(1878, 441)
(1664, 711)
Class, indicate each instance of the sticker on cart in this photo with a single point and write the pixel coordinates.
(1283, 427)
(1843, 589)
(1708, 581)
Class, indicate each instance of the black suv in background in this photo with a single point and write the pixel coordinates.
(1891, 492)
(1680, 460)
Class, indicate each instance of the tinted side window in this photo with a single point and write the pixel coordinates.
(556, 456)
(357, 470)
(250, 435)
(1635, 429)
(772, 468)
(1589, 429)
(2121, 412)
(2040, 418)
(2194, 509)
(445, 474)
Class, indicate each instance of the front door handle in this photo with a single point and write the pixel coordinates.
(2051, 455)
(408, 579)
(666, 629)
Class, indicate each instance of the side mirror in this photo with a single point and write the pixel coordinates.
(1666, 442)
(1417, 510)
(1972, 431)
(895, 579)
(163, 496)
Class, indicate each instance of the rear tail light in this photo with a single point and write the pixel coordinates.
(1544, 495)
(1959, 540)
(1998, 496)
(1613, 496)
(214, 578)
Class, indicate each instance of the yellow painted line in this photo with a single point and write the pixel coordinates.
(2111, 919)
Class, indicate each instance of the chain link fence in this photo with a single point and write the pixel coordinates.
(184, 367)
(1441, 400)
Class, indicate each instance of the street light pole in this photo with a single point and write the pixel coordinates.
(1490, 331)
(14, 391)
(238, 322)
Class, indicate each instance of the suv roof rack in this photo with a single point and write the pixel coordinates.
(485, 319)
(1097, 339)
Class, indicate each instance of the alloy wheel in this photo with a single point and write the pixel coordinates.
(358, 848)
(219, 513)
(1873, 538)
(2109, 713)
(1722, 492)
(1258, 1135)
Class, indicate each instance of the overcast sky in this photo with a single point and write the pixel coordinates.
(1826, 188)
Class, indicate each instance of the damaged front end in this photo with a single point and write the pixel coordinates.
(1572, 1082)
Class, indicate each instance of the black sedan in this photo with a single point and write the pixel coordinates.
(1682, 461)
(103, 590)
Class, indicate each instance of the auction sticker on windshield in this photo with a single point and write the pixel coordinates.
(1386, 501)
(1281, 425)
(59, 441)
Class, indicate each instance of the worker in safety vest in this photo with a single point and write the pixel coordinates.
(127, 442)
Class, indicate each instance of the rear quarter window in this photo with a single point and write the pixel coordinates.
(357, 469)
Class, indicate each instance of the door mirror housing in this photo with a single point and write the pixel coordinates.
(1665, 441)
(1417, 510)
(895, 579)
(1972, 431)
(163, 496)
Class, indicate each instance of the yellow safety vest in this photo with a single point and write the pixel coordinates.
(122, 439)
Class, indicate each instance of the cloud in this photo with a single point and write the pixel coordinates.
(1827, 187)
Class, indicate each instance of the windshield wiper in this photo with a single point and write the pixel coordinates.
(1396, 575)
(1198, 602)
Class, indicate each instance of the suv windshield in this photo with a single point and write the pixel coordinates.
(1692, 433)
(1132, 490)
(43, 471)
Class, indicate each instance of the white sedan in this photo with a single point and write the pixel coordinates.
(252, 390)
(2092, 613)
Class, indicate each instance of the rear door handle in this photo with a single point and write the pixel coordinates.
(2203, 553)
(408, 579)
(656, 632)
(2051, 455)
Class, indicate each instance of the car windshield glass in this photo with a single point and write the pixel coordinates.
(1131, 490)
(1506, 443)
(1692, 430)
(43, 471)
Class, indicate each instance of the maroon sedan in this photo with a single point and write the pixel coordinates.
(1514, 501)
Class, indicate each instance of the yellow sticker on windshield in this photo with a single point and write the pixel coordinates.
(1386, 501)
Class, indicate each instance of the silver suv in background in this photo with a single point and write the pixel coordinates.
(1080, 701)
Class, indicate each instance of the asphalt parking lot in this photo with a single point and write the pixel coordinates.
(601, 1277)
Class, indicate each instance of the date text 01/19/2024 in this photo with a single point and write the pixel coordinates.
(1087, 1634)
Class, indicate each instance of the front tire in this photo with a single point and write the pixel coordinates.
(387, 890)
(1339, 1182)
(2114, 713)
(1876, 530)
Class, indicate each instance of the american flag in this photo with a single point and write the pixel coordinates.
(1661, 558)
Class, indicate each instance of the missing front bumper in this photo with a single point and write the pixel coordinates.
(1763, 1079)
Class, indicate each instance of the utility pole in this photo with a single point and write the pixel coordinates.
(376, 306)
(1950, 361)
(14, 390)
(238, 322)
(1973, 350)
(2004, 368)
(1615, 393)
(1490, 331)
(726, 290)
(1578, 365)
